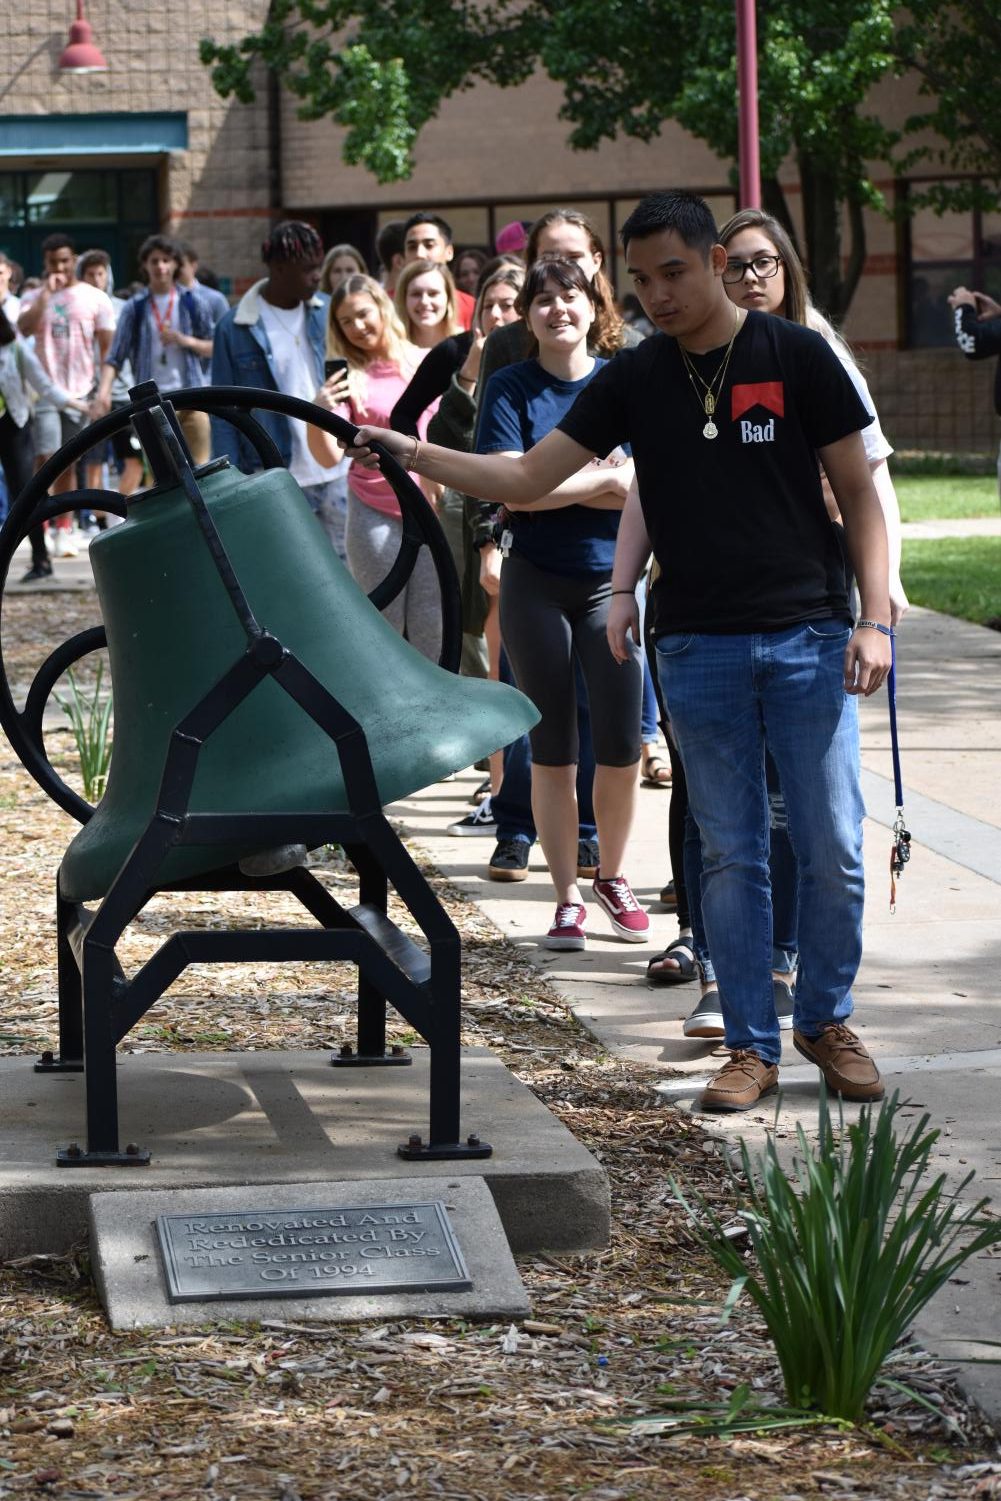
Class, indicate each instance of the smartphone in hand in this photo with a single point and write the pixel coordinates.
(337, 367)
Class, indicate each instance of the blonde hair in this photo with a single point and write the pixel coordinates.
(394, 348)
(451, 323)
(331, 256)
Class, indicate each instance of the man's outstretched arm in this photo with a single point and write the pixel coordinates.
(495, 477)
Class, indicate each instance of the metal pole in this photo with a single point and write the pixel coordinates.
(747, 105)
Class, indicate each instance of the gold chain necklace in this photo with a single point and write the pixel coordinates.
(709, 399)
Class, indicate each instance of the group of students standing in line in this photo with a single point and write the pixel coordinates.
(743, 452)
(562, 451)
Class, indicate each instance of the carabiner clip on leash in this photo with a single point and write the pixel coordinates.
(900, 850)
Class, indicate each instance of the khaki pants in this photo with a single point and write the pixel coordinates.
(197, 434)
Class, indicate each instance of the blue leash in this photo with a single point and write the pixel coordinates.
(900, 850)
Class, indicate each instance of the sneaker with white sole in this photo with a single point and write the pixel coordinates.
(785, 1000)
(624, 911)
(481, 821)
(65, 545)
(567, 931)
(707, 1018)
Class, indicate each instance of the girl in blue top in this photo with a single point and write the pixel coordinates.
(554, 597)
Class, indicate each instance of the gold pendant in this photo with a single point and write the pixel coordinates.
(709, 404)
(710, 430)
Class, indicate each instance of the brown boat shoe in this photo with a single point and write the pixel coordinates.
(742, 1081)
(844, 1062)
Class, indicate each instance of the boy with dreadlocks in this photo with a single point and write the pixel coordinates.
(275, 338)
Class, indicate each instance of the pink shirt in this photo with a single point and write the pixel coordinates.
(385, 385)
(64, 340)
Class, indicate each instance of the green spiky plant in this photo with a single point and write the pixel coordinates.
(90, 721)
(848, 1248)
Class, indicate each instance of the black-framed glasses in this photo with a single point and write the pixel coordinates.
(763, 266)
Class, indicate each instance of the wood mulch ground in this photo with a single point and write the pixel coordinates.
(583, 1400)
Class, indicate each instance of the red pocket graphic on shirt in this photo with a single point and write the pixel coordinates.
(763, 393)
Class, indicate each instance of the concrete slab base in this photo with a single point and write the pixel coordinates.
(126, 1263)
(218, 1119)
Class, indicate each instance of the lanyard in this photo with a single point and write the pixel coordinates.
(164, 322)
(900, 850)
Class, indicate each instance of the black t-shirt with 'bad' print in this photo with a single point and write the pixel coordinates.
(737, 523)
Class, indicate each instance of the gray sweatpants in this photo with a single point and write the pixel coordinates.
(373, 541)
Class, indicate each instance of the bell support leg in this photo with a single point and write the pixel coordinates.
(98, 975)
(69, 1059)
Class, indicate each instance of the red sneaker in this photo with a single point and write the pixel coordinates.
(567, 931)
(627, 916)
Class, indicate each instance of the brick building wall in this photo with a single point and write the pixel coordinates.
(491, 152)
(934, 400)
(217, 191)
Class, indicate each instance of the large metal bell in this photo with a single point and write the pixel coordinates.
(173, 633)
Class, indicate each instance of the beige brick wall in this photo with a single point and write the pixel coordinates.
(934, 400)
(506, 147)
(492, 144)
(216, 192)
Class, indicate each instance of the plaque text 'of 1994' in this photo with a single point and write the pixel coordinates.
(309, 1253)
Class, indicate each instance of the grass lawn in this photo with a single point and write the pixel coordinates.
(944, 497)
(957, 575)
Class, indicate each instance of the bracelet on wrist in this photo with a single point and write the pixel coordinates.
(873, 625)
(409, 465)
(623, 591)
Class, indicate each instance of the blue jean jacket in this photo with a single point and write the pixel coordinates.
(241, 356)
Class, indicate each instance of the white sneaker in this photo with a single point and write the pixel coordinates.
(65, 544)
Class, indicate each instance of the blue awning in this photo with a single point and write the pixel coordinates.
(93, 135)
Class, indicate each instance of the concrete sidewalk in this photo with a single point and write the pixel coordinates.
(926, 998)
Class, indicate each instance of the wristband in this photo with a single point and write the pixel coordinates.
(873, 625)
(622, 591)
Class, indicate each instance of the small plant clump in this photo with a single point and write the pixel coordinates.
(90, 721)
(848, 1249)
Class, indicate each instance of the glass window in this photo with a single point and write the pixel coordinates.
(946, 251)
(11, 209)
(138, 196)
(470, 226)
(930, 320)
(66, 197)
(941, 237)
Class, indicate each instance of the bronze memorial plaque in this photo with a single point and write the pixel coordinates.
(309, 1253)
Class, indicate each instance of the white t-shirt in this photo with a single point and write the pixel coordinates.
(169, 369)
(873, 438)
(295, 373)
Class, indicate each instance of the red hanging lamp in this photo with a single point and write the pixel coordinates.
(82, 55)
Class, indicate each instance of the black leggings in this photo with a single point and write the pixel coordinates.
(546, 619)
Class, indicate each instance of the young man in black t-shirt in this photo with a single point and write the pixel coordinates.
(728, 417)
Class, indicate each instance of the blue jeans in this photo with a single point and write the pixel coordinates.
(730, 698)
(783, 875)
(329, 503)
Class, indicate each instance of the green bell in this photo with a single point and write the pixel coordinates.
(173, 633)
